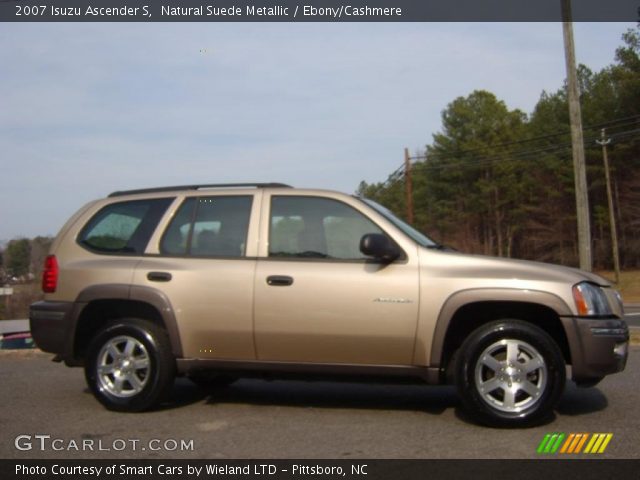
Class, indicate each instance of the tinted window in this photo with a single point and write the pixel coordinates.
(309, 227)
(209, 227)
(421, 238)
(124, 227)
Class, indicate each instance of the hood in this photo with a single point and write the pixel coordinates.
(455, 264)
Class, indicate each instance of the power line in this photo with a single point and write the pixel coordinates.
(544, 137)
(486, 160)
(604, 124)
(513, 156)
(588, 140)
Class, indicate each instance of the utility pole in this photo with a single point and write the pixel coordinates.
(612, 217)
(579, 169)
(408, 185)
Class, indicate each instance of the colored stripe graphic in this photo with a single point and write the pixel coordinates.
(598, 443)
(566, 445)
(574, 443)
(556, 445)
(543, 443)
(578, 442)
(550, 443)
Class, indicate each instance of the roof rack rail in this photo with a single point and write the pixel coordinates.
(197, 187)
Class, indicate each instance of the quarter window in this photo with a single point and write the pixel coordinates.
(313, 227)
(209, 227)
(124, 227)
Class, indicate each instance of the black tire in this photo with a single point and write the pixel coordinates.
(129, 366)
(211, 380)
(498, 391)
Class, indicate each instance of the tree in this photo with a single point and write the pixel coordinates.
(39, 249)
(18, 257)
(496, 181)
(472, 182)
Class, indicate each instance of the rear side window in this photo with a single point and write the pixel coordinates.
(209, 227)
(124, 227)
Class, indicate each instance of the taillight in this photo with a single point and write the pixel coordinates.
(50, 274)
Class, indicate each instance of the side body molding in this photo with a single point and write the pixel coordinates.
(466, 297)
(148, 295)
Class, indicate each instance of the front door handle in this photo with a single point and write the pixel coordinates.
(159, 276)
(279, 281)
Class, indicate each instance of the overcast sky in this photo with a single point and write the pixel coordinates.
(88, 108)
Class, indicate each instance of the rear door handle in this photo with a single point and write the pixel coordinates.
(279, 281)
(159, 276)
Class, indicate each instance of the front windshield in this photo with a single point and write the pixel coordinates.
(405, 227)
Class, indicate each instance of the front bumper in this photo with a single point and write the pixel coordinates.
(53, 327)
(599, 347)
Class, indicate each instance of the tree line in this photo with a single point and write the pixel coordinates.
(22, 259)
(500, 182)
(21, 264)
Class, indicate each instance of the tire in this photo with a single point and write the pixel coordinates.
(510, 373)
(129, 366)
(211, 380)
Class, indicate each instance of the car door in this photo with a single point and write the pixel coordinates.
(318, 298)
(203, 260)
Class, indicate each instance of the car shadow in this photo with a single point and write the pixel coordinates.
(581, 401)
(323, 394)
(575, 401)
(184, 393)
(432, 400)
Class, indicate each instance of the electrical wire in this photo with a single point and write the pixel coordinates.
(488, 160)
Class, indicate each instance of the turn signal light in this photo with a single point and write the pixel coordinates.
(581, 302)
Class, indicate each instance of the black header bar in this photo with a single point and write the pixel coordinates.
(315, 11)
(360, 469)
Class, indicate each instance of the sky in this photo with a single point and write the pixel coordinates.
(91, 108)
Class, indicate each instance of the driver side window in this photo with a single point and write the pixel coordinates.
(314, 227)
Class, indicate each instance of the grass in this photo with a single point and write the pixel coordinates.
(629, 285)
(17, 306)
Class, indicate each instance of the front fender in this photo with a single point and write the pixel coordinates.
(466, 297)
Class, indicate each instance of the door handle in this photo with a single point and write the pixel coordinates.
(279, 281)
(159, 276)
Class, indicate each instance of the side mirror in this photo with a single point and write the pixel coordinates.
(379, 246)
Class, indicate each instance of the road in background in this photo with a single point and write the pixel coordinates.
(14, 326)
(632, 314)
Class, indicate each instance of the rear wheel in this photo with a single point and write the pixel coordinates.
(129, 365)
(510, 373)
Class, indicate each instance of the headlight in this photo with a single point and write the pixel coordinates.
(619, 298)
(590, 300)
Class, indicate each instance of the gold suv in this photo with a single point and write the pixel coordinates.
(217, 282)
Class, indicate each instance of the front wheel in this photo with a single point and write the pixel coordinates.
(510, 373)
(129, 365)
